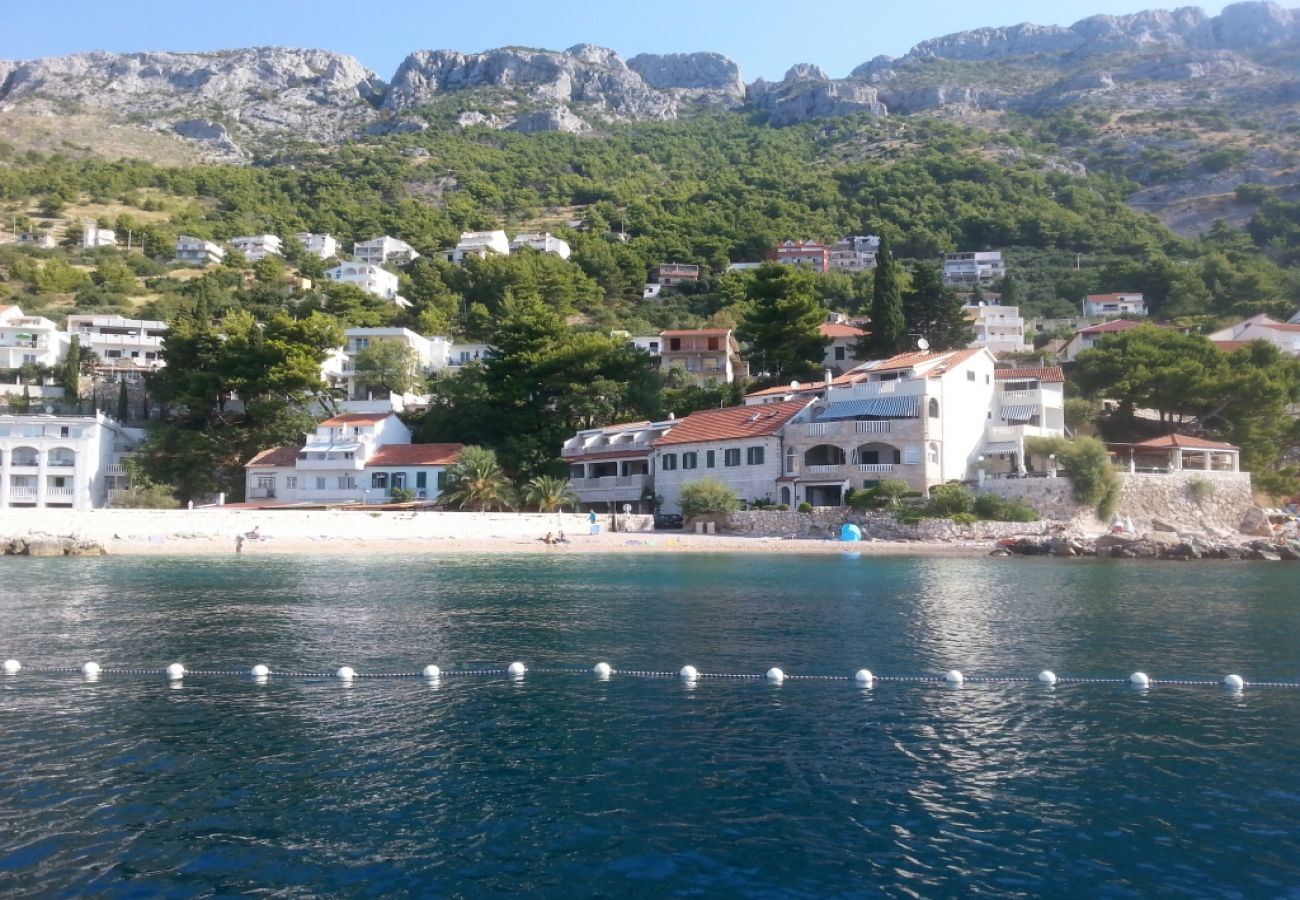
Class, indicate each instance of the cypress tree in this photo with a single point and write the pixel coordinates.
(888, 325)
(123, 409)
(72, 369)
(934, 312)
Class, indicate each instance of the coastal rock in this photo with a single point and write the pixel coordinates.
(47, 545)
(558, 119)
(807, 93)
(43, 547)
(1255, 521)
(1158, 524)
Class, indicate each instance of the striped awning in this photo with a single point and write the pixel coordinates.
(1019, 413)
(885, 407)
(996, 447)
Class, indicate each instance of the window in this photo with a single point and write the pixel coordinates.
(379, 480)
(970, 374)
(839, 354)
(934, 454)
(791, 460)
(674, 343)
(690, 460)
(347, 483)
(934, 408)
(399, 480)
(713, 343)
(320, 482)
(911, 456)
(710, 458)
(731, 457)
(421, 480)
(442, 479)
(669, 462)
(754, 456)
(291, 481)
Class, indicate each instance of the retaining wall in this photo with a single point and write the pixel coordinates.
(827, 521)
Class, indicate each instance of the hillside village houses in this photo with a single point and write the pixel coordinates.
(924, 418)
(198, 252)
(320, 245)
(28, 339)
(998, 328)
(967, 269)
(843, 339)
(542, 243)
(350, 458)
(1283, 335)
(1109, 306)
(257, 247)
(122, 345)
(93, 236)
(383, 251)
(710, 355)
(370, 278)
(1086, 338)
(42, 240)
(72, 462)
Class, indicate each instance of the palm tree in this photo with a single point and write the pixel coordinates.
(477, 482)
(549, 493)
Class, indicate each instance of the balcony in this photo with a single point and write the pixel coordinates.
(875, 468)
(24, 462)
(314, 463)
(59, 493)
(616, 447)
(22, 493)
(823, 470)
(1020, 397)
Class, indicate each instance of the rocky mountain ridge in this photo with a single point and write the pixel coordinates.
(232, 101)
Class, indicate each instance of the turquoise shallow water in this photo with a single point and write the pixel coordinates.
(561, 785)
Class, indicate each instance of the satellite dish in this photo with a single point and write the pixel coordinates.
(794, 385)
(923, 344)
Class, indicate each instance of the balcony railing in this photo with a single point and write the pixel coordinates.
(823, 470)
(58, 493)
(882, 427)
(24, 462)
(875, 467)
(619, 446)
(317, 464)
(1020, 397)
(610, 482)
(22, 493)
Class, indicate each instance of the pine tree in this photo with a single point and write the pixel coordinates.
(783, 323)
(888, 325)
(934, 312)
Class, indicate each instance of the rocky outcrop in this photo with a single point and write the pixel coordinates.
(1157, 545)
(807, 93)
(593, 76)
(558, 119)
(708, 77)
(48, 545)
(312, 94)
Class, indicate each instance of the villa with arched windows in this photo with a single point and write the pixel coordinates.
(69, 462)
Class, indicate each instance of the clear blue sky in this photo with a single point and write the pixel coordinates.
(764, 36)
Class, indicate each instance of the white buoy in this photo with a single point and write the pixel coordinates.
(953, 676)
(346, 673)
(1047, 676)
(259, 671)
(689, 674)
(432, 673)
(12, 666)
(775, 675)
(1139, 680)
(516, 670)
(602, 670)
(864, 677)
(175, 672)
(90, 670)
(1234, 682)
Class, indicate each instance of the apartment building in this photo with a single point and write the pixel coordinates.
(1110, 306)
(610, 468)
(478, 244)
(812, 255)
(430, 354)
(710, 355)
(321, 245)
(370, 278)
(72, 462)
(542, 243)
(856, 253)
(967, 269)
(121, 343)
(383, 251)
(844, 338)
(255, 247)
(998, 328)
(670, 275)
(28, 339)
(197, 252)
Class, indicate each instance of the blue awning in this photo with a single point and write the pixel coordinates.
(996, 447)
(884, 407)
(1019, 413)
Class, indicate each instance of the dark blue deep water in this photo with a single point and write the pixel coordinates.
(565, 786)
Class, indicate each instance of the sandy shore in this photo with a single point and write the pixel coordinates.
(658, 542)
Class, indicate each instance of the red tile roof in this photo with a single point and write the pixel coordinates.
(1183, 441)
(837, 330)
(698, 332)
(415, 455)
(1283, 326)
(852, 377)
(1049, 375)
(357, 419)
(1229, 346)
(1112, 325)
(276, 456)
(733, 423)
(949, 358)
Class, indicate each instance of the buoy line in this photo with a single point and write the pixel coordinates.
(516, 671)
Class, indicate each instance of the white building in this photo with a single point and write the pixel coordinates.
(543, 243)
(73, 462)
(198, 252)
(610, 467)
(1110, 306)
(39, 239)
(1087, 338)
(430, 354)
(352, 458)
(478, 244)
(370, 278)
(29, 339)
(322, 245)
(255, 247)
(968, 269)
(462, 354)
(384, 250)
(650, 343)
(741, 446)
(1283, 335)
(93, 236)
(998, 328)
(119, 342)
(843, 339)
(856, 253)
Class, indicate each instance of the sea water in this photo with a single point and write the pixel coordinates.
(564, 785)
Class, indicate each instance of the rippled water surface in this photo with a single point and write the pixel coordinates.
(562, 785)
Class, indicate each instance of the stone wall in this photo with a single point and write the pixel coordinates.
(826, 522)
(1175, 498)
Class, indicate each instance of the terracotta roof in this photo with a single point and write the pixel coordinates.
(276, 456)
(415, 455)
(1120, 296)
(357, 419)
(1050, 375)
(1112, 325)
(1185, 442)
(852, 377)
(735, 422)
(1283, 326)
(698, 332)
(1229, 346)
(836, 330)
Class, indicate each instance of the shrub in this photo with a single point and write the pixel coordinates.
(965, 518)
(708, 497)
(1087, 464)
(951, 499)
(784, 507)
(805, 507)
(146, 494)
(402, 495)
(1200, 490)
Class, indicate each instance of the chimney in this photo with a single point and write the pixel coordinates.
(827, 376)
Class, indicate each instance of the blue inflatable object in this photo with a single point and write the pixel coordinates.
(850, 532)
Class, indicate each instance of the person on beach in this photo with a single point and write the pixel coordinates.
(591, 520)
(549, 539)
(239, 543)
